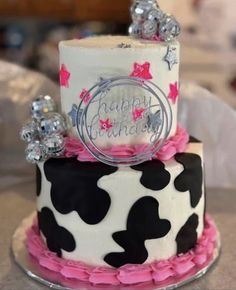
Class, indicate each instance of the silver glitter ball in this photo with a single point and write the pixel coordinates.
(29, 132)
(155, 15)
(169, 28)
(35, 152)
(150, 28)
(42, 105)
(51, 123)
(139, 10)
(54, 145)
(135, 30)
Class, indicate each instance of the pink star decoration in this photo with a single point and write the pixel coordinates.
(105, 125)
(138, 114)
(142, 71)
(64, 76)
(174, 92)
(82, 95)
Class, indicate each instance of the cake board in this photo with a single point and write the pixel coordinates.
(54, 280)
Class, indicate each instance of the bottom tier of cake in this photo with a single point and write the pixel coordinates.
(106, 216)
(173, 271)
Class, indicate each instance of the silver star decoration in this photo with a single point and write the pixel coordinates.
(171, 57)
(154, 121)
(74, 114)
(103, 81)
(104, 84)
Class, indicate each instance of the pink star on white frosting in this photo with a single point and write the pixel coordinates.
(105, 125)
(138, 114)
(64, 76)
(174, 92)
(82, 95)
(142, 71)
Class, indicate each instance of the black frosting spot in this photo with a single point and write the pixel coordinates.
(191, 178)
(187, 236)
(38, 181)
(154, 174)
(74, 188)
(58, 238)
(143, 223)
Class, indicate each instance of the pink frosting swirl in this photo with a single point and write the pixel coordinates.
(76, 270)
(162, 270)
(183, 263)
(173, 145)
(104, 275)
(35, 244)
(158, 272)
(50, 261)
(133, 274)
(200, 259)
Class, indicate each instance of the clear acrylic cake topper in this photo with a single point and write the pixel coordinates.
(121, 113)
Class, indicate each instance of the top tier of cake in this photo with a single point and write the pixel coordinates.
(85, 62)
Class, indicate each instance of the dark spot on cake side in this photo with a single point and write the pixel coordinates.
(154, 175)
(57, 237)
(191, 179)
(124, 45)
(74, 188)
(38, 181)
(187, 236)
(143, 224)
(193, 140)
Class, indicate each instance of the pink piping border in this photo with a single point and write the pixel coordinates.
(159, 272)
(173, 145)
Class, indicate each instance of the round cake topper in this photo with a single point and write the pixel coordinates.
(122, 113)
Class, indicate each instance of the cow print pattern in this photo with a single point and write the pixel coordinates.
(191, 178)
(38, 181)
(143, 224)
(57, 237)
(154, 175)
(187, 236)
(74, 188)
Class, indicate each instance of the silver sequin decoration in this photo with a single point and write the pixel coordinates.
(144, 13)
(155, 15)
(54, 145)
(51, 123)
(44, 134)
(149, 29)
(169, 28)
(35, 152)
(139, 10)
(29, 132)
(41, 106)
(135, 30)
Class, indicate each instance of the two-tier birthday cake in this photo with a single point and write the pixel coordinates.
(120, 185)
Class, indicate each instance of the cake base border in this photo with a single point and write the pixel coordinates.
(31, 268)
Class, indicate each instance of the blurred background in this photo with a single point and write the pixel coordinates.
(30, 31)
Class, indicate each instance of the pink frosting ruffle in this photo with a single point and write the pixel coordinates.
(158, 272)
(173, 145)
